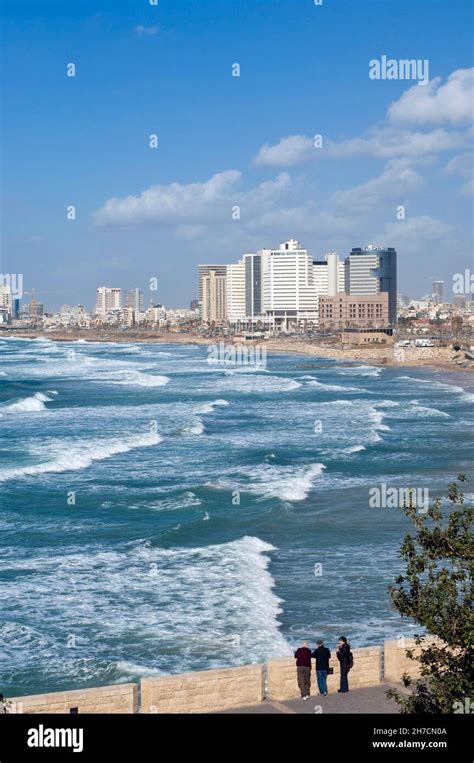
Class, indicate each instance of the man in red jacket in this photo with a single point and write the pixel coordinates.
(303, 669)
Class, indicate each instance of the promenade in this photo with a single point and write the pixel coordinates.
(372, 700)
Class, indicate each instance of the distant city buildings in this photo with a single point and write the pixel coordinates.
(438, 291)
(108, 298)
(134, 299)
(283, 289)
(279, 289)
(6, 303)
(373, 270)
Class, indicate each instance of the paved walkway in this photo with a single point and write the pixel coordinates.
(372, 700)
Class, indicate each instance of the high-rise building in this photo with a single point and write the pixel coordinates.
(108, 298)
(289, 295)
(203, 271)
(213, 305)
(6, 300)
(235, 291)
(134, 299)
(438, 291)
(372, 270)
(328, 275)
(253, 284)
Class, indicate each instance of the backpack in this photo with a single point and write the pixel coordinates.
(350, 661)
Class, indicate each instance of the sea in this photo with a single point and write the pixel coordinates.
(161, 514)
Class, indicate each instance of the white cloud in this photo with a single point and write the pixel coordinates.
(414, 233)
(389, 143)
(193, 204)
(449, 104)
(437, 103)
(289, 151)
(397, 179)
(380, 143)
(462, 166)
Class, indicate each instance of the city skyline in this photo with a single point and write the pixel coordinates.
(400, 178)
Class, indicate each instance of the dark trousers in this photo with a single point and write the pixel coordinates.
(344, 682)
(304, 680)
(322, 681)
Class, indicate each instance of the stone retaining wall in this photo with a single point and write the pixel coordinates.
(121, 698)
(204, 691)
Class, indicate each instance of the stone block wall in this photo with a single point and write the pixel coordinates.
(203, 691)
(121, 698)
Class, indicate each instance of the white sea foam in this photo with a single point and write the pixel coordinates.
(287, 483)
(333, 387)
(155, 608)
(423, 410)
(195, 427)
(353, 449)
(257, 383)
(65, 456)
(32, 404)
(133, 378)
(209, 407)
(467, 396)
(360, 371)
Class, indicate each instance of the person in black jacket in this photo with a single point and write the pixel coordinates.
(343, 654)
(303, 669)
(322, 656)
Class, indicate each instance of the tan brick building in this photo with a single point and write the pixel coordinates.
(350, 311)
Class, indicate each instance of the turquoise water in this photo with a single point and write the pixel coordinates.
(159, 514)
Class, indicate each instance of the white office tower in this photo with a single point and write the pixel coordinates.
(108, 299)
(6, 300)
(328, 276)
(235, 291)
(289, 296)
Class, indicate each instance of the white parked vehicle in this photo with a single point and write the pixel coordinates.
(424, 343)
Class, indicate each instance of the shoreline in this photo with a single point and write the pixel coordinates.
(439, 358)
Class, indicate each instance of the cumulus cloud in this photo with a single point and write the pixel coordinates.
(190, 205)
(289, 151)
(380, 143)
(437, 102)
(397, 179)
(389, 143)
(448, 104)
(462, 166)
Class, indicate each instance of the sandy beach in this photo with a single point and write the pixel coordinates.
(442, 358)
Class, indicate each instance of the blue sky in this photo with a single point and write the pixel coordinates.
(230, 141)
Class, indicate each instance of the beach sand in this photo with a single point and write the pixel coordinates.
(443, 358)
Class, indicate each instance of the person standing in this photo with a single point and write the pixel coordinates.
(344, 655)
(322, 656)
(303, 669)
